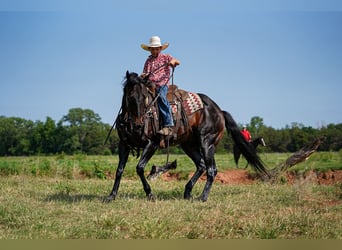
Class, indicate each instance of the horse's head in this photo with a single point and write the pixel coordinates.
(135, 97)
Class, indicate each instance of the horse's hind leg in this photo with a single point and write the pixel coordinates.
(237, 154)
(196, 157)
(208, 152)
(146, 155)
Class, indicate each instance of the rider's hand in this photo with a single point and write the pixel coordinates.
(174, 62)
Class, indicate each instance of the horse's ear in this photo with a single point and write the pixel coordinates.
(127, 74)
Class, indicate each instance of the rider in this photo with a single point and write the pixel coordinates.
(157, 69)
(246, 134)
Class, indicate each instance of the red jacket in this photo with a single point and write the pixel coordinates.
(246, 135)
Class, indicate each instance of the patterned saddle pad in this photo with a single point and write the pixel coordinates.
(191, 104)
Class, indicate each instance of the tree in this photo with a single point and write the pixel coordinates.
(81, 130)
(7, 135)
(85, 132)
(255, 125)
(48, 136)
(333, 135)
(14, 136)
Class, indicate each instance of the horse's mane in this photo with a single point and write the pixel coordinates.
(133, 78)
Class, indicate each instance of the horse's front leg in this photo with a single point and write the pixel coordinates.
(147, 154)
(123, 156)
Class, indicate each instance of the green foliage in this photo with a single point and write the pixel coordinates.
(82, 132)
(64, 188)
(8, 168)
(99, 172)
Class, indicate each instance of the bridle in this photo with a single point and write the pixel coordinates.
(148, 111)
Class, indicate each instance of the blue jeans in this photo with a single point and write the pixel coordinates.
(164, 106)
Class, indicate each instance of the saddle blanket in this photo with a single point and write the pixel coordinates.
(191, 104)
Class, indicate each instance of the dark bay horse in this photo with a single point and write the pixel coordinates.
(205, 127)
(237, 153)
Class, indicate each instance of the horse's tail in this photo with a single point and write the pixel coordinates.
(246, 149)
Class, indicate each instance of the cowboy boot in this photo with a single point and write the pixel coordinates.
(165, 131)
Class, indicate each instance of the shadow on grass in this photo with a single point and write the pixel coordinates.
(169, 195)
(161, 195)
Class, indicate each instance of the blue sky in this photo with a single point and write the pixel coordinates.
(279, 60)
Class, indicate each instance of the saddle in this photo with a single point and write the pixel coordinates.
(183, 104)
(175, 96)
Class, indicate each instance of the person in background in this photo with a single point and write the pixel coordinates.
(157, 70)
(246, 134)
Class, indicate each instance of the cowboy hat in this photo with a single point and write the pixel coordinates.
(154, 43)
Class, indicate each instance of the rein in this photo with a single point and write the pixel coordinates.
(156, 97)
(149, 105)
(111, 129)
(168, 141)
(155, 70)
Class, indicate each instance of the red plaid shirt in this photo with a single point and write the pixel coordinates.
(160, 75)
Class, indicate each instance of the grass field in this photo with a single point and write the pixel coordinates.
(60, 197)
(80, 166)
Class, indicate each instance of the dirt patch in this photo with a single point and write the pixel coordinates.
(237, 176)
(330, 177)
(240, 176)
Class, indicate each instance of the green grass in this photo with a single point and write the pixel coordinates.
(60, 197)
(50, 208)
(82, 166)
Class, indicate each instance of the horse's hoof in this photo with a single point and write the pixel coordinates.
(108, 199)
(188, 197)
(201, 198)
(150, 197)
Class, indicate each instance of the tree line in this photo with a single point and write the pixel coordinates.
(82, 132)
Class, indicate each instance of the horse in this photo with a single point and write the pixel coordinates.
(237, 153)
(202, 131)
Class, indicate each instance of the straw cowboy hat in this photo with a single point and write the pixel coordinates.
(154, 43)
